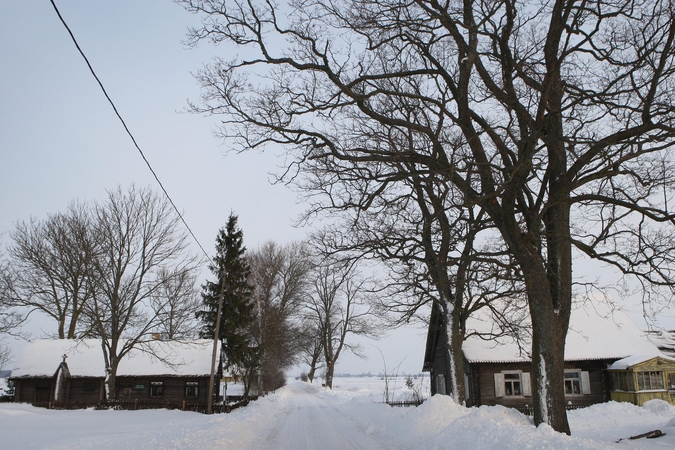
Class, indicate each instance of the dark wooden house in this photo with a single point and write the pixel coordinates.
(497, 371)
(71, 373)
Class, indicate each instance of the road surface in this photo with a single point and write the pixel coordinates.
(310, 422)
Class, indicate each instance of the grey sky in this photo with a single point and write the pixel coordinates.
(60, 139)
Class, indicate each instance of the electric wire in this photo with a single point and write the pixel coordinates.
(119, 116)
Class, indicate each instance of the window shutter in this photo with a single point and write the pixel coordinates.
(499, 385)
(525, 381)
(585, 383)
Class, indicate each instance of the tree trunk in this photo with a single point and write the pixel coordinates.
(454, 382)
(548, 366)
(549, 288)
(330, 364)
(330, 368)
(310, 375)
(111, 379)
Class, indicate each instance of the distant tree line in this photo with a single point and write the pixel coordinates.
(281, 305)
(120, 270)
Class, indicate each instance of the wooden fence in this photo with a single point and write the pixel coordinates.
(529, 410)
(406, 403)
(140, 404)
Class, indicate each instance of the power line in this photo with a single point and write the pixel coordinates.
(91, 69)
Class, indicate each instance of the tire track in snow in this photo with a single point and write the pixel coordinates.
(310, 422)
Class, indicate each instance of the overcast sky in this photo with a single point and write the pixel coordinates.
(60, 139)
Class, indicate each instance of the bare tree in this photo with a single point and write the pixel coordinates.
(141, 253)
(339, 306)
(10, 319)
(435, 250)
(51, 261)
(5, 356)
(176, 303)
(311, 345)
(280, 279)
(556, 118)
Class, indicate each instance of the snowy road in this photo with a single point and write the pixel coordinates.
(310, 422)
(351, 416)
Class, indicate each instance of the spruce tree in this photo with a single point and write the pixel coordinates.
(237, 311)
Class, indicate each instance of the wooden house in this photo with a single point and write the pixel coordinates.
(497, 371)
(641, 378)
(69, 373)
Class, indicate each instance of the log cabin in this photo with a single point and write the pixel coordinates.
(71, 373)
(497, 370)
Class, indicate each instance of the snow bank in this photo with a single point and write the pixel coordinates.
(437, 424)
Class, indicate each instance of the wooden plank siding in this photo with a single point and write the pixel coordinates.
(33, 390)
(89, 390)
(84, 390)
(439, 361)
(482, 384)
(174, 388)
(639, 398)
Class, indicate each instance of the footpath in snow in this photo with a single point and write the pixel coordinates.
(302, 416)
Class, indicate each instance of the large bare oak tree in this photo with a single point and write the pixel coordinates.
(555, 117)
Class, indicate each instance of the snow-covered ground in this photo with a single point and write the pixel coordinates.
(302, 416)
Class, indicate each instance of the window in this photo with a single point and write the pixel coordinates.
(512, 384)
(572, 383)
(192, 389)
(577, 382)
(440, 384)
(622, 381)
(671, 381)
(156, 388)
(649, 381)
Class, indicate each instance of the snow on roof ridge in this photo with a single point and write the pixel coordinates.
(632, 360)
(84, 357)
(597, 331)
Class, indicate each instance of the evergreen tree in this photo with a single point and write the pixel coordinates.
(231, 271)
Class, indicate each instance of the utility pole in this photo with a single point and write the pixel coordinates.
(209, 404)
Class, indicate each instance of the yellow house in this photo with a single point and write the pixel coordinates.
(637, 379)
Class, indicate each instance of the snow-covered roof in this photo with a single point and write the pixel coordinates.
(632, 360)
(664, 340)
(41, 358)
(595, 332)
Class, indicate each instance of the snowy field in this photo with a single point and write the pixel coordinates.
(302, 416)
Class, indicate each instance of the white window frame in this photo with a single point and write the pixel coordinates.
(523, 378)
(584, 382)
(156, 389)
(192, 389)
(440, 384)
